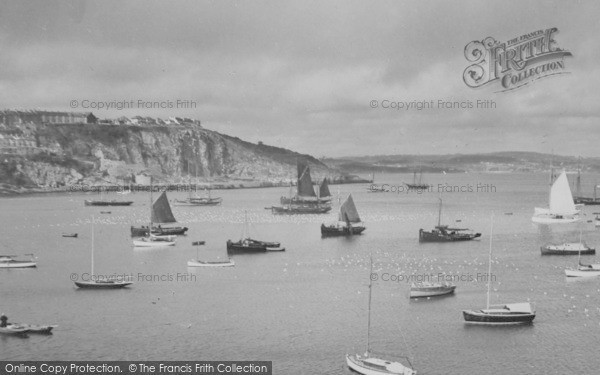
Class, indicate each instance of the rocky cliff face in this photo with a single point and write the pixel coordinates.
(68, 154)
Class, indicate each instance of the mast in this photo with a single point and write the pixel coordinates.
(489, 275)
(440, 213)
(245, 224)
(150, 226)
(369, 315)
(92, 275)
(578, 187)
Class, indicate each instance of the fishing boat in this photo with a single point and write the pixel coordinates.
(33, 328)
(71, 235)
(247, 244)
(95, 282)
(561, 206)
(160, 212)
(444, 233)
(348, 223)
(306, 200)
(113, 202)
(10, 261)
(417, 183)
(323, 197)
(367, 364)
(431, 289)
(511, 313)
(568, 248)
(578, 198)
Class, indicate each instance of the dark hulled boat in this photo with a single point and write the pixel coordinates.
(348, 224)
(88, 202)
(160, 213)
(443, 233)
(417, 183)
(510, 313)
(247, 244)
(306, 200)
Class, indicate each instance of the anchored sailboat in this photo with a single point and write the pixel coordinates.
(417, 183)
(348, 223)
(249, 245)
(369, 365)
(97, 283)
(511, 313)
(160, 212)
(306, 200)
(561, 208)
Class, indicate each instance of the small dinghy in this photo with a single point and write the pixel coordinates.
(70, 235)
(12, 330)
(431, 289)
(34, 328)
(202, 263)
(9, 261)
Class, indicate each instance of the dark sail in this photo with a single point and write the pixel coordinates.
(161, 210)
(348, 212)
(324, 189)
(305, 185)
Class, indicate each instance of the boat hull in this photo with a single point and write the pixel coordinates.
(199, 202)
(34, 328)
(14, 331)
(545, 250)
(18, 264)
(239, 246)
(142, 243)
(433, 236)
(417, 292)
(335, 231)
(300, 210)
(102, 284)
(162, 231)
(199, 263)
(583, 273)
(549, 219)
(356, 363)
(479, 317)
(107, 203)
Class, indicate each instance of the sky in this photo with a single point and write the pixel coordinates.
(304, 74)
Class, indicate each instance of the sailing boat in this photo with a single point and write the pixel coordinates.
(368, 365)
(443, 233)
(348, 224)
(160, 212)
(569, 248)
(9, 261)
(306, 200)
(105, 202)
(197, 200)
(417, 183)
(561, 208)
(247, 244)
(512, 313)
(95, 282)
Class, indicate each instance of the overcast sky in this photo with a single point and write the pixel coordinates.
(302, 74)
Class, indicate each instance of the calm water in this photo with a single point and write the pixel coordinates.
(306, 307)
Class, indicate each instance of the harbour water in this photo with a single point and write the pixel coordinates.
(306, 307)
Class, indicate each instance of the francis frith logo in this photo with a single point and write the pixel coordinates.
(514, 63)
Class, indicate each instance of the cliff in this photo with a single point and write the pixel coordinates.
(42, 156)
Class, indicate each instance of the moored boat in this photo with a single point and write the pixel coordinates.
(569, 248)
(443, 233)
(13, 330)
(306, 200)
(562, 208)
(71, 235)
(95, 282)
(10, 261)
(247, 244)
(153, 241)
(431, 289)
(369, 365)
(113, 202)
(160, 212)
(348, 223)
(510, 313)
(202, 263)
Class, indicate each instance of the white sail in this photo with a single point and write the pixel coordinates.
(561, 199)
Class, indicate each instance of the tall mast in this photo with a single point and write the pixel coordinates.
(92, 275)
(440, 213)
(150, 226)
(245, 224)
(489, 275)
(369, 315)
(579, 177)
